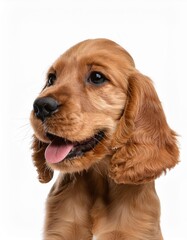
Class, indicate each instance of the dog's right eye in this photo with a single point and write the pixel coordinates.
(51, 79)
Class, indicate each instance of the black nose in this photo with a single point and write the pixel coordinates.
(45, 107)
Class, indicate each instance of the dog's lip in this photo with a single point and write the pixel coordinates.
(79, 147)
(53, 137)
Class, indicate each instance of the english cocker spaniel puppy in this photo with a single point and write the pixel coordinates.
(99, 121)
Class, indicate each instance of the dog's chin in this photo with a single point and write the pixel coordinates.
(68, 157)
(78, 164)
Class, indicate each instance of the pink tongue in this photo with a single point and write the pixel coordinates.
(56, 152)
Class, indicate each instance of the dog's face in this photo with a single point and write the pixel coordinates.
(83, 99)
(95, 105)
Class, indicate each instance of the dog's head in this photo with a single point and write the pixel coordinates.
(96, 104)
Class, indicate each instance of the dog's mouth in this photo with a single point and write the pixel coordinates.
(61, 149)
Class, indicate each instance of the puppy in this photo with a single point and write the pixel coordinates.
(99, 122)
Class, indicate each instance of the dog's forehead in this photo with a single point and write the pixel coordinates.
(92, 45)
(93, 50)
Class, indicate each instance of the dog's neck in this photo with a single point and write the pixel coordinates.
(97, 181)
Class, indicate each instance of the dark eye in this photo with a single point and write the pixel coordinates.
(97, 78)
(51, 79)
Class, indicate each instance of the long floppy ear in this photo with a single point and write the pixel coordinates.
(45, 174)
(144, 145)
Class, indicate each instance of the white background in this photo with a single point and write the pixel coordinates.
(32, 35)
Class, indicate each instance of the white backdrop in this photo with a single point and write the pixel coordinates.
(32, 35)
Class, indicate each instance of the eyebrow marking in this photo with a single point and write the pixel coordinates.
(51, 70)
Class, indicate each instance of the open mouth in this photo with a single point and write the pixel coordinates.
(62, 149)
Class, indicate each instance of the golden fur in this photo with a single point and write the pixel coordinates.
(109, 191)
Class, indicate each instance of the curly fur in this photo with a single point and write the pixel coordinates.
(109, 191)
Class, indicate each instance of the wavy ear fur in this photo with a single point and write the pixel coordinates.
(145, 146)
(44, 173)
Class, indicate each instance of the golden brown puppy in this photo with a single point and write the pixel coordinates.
(99, 121)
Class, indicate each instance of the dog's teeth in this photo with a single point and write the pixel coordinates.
(72, 149)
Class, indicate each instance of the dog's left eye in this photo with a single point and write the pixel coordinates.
(97, 78)
(51, 79)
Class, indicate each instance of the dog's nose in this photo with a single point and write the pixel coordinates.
(45, 107)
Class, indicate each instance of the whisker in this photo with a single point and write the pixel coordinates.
(99, 141)
(23, 132)
(24, 125)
